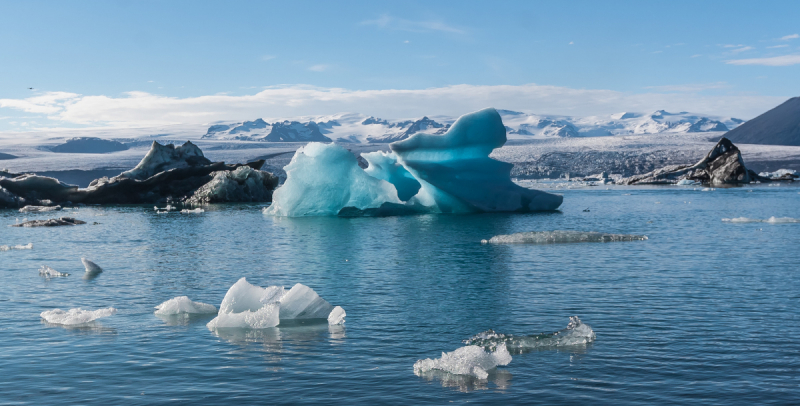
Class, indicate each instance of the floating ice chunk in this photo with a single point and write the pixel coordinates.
(560, 237)
(194, 211)
(76, 316)
(301, 302)
(469, 360)
(337, 316)
(182, 305)
(242, 307)
(771, 220)
(576, 334)
(38, 209)
(780, 173)
(322, 179)
(687, 182)
(92, 270)
(27, 246)
(48, 272)
(707, 189)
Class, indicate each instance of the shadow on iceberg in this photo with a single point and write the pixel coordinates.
(426, 173)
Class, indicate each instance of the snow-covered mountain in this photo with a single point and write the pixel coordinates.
(358, 128)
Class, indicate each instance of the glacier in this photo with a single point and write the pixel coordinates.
(443, 173)
(75, 316)
(253, 307)
(470, 360)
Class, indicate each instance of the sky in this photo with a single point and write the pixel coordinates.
(141, 63)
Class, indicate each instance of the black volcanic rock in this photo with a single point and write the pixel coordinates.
(779, 126)
(89, 145)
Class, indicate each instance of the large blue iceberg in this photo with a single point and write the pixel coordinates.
(448, 173)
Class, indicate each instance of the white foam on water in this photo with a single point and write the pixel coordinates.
(48, 272)
(27, 246)
(771, 220)
(560, 237)
(183, 305)
(470, 360)
(76, 316)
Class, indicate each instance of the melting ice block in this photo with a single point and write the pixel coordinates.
(301, 302)
(92, 270)
(575, 334)
(48, 272)
(469, 360)
(337, 316)
(183, 305)
(27, 246)
(76, 316)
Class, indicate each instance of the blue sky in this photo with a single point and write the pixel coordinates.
(84, 59)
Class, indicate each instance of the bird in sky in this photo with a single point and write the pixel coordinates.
(30, 88)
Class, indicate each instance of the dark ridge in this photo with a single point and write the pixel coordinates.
(89, 145)
(6, 156)
(779, 126)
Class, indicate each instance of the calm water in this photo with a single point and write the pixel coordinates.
(704, 312)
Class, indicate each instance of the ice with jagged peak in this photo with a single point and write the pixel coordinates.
(249, 306)
(76, 316)
(301, 302)
(39, 209)
(470, 360)
(183, 305)
(560, 237)
(162, 158)
(92, 269)
(575, 334)
(27, 246)
(771, 220)
(49, 272)
(322, 179)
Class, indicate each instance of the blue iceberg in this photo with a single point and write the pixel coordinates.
(447, 173)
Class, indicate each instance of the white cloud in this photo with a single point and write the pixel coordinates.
(784, 60)
(778, 46)
(268, 57)
(690, 88)
(319, 68)
(572, 43)
(696, 55)
(393, 23)
(788, 37)
(136, 109)
(742, 49)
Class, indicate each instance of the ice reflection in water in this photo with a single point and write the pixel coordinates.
(92, 327)
(498, 380)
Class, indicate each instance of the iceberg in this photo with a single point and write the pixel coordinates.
(249, 306)
(76, 316)
(470, 360)
(445, 173)
(243, 184)
(92, 270)
(182, 305)
(48, 272)
(575, 334)
(27, 246)
(560, 237)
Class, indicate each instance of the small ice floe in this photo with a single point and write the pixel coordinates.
(77, 316)
(250, 306)
(707, 189)
(63, 221)
(48, 272)
(92, 270)
(575, 334)
(27, 246)
(194, 211)
(560, 237)
(182, 305)
(38, 209)
(771, 220)
(168, 208)
(470, 360)
(780, 174)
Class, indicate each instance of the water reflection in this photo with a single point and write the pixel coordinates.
(498, 380)
(91, 327)
(185, 319)
(303, 336)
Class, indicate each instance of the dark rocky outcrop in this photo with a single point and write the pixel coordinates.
(166, 173)
(723, 165)
(89, 145)
(63, 221)
(779, 126)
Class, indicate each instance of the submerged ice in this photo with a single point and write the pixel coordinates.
(76, 316)
(49, 272)
(249, 306)
(560, 237)
(575, 334)
(470, 360)
(447, 173)
(183, 305)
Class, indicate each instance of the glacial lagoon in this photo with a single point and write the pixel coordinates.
(703, 311)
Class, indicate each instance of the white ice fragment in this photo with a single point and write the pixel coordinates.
(778, 173)
(575, 334)
(469, 360)
(687, 182)
(242, 307)
(195, 211)
(38, 209)
(76, 316)
(560, 237)
(92, 270)
(301, 302)
(182, 305)
(337, 316)
(48, 272)
(27, 246)
(771, 220)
